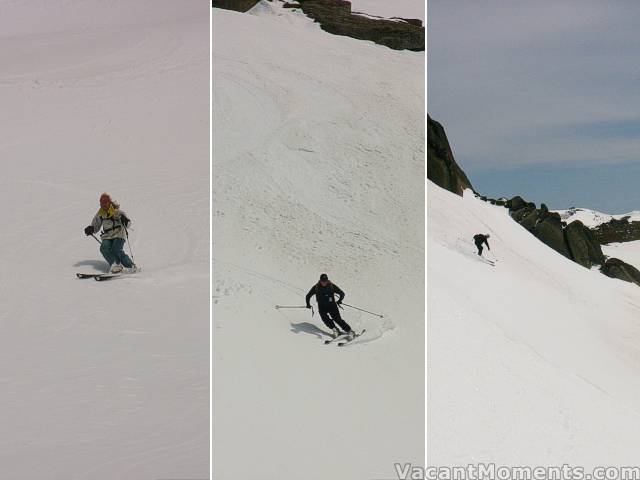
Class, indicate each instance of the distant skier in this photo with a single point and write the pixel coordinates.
(479, 239)
(324, 291)
(113, 222)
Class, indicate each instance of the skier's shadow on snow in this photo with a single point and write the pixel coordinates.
(97, 264)
(310, 328)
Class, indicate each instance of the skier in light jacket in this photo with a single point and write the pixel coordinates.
(113, 222)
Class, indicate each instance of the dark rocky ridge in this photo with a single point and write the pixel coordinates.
(575, 241)
(442, 168)
(584, 247)
(621, 230)
(236, 5)
(336, 17)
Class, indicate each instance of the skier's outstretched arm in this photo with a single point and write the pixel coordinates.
(309, 295)
(487, 242)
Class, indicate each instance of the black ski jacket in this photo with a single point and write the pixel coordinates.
(480, 239)
(325, 295)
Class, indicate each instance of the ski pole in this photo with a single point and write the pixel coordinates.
(96, 239)
(129, 243)
(277, 307)
(363, 310)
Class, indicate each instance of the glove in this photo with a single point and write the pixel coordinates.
(89, 230)
(125, 220)
(339, 302)
(308, 306)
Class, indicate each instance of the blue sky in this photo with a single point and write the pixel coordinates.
(540, 98)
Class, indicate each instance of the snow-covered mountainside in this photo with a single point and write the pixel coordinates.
(104, 380)
(593, 218)
(533, 361)
(318, 166)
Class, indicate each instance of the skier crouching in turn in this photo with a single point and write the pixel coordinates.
(113, 222)
(479, 239)
(324, 291)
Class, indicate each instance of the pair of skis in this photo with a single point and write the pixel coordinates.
(344, 337)
(98, 276)
(484, 259)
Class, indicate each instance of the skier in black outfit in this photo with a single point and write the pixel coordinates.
(324, 291)
(480, 239)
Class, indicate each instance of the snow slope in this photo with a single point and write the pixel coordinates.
(318, 166)
(593, 218)
(626, 251)
(535, 361)
(104, 380)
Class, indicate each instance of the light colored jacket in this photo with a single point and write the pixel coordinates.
(110, 222)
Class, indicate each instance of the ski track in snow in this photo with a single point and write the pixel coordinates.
(532, 362)
(104, 380)
(318, 161)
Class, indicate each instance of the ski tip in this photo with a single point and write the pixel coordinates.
(106, 276)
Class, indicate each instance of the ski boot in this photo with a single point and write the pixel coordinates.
(115, 268)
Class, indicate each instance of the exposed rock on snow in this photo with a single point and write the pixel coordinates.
(549, 230)
(616, 268)
(442, 168)
(236, 5)
(618, 230)
(335, 16)
(584, 247)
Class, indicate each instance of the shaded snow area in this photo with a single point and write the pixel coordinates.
(318, 166)
(390, 8)
(104, 380)
(532, 362)
(593, 218)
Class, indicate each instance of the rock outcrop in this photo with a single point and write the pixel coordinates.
(574, 241)
(616, 268)
(236, 5)
(584, 247)
(621, 230)
(335, 16)
(442, 168)
(549, 230)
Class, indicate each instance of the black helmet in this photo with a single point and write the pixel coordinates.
(324, 277)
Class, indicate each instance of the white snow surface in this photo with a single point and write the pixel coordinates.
(104, 380)
(532, 362)
(390, 8)
(593, 218)
(318, 166)
(625, 251)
